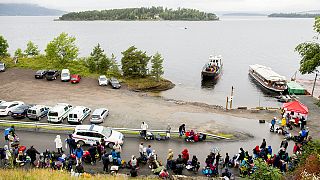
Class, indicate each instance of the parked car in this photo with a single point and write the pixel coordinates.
(52, 75)
(99, 115)
(103, 80)
(40, 74)
(59, 112)
(78, 114)
(2, 101)
(2, 67)
(90, 134)
(75, 78)
(37, 112)
(115, 83)
(7, 107)
(20, 111)
(65, 75)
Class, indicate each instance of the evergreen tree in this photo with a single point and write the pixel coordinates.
(114, 67)
(32, 49)
(98, 61)
(3, 47)
(134, 63)
(157, 68)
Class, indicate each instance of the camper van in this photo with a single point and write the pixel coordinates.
(65, 75)
(59, 112)
(78, 114)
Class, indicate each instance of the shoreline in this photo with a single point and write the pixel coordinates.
(129, 108)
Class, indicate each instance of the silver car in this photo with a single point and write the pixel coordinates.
(99, 115)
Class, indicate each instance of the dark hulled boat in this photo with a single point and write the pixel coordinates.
(212, 70)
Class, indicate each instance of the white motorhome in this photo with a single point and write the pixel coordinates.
(65, 75)
(59, 112)
(78, 114)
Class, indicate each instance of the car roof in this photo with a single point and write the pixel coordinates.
(1, 63)
(41, 70)
(65, 70)
(98, 111)
(103, 76)
(37, 107)
(75, 75)
(77, 109)
(9, 103)
(95, 128)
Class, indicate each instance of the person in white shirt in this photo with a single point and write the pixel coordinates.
(144, 127)
(141, 148)
(58, 144)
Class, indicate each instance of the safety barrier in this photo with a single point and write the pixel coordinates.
(38, 125)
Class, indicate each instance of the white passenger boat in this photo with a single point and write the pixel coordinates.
(267, 78)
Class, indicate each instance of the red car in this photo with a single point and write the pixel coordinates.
(75, 78)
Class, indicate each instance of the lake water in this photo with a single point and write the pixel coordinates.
(185, 47)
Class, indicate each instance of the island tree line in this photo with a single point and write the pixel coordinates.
(62, 52)
(143, 13)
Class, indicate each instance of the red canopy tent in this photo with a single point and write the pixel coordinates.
(296, 106)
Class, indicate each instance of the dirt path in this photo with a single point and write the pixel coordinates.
(127, 109)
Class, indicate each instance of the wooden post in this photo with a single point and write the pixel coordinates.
(231, 97)
(227, 103)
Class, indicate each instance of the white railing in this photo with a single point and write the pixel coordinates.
(38, 125)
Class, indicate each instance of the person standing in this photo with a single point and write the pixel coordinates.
(273, 122)
(141, 149)
(169, 159)
(71, 143)
(79, 153)
(168, 131)
(182, 130)
(226, 161)
(58, 144)
(105, 161)
(117, 149)
(32, 153)
(93, 151)
(185, 156)
(263, 144)
(144, 127)
(7, 155)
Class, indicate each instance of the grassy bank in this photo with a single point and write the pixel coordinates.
(79, 67)
(41, 174)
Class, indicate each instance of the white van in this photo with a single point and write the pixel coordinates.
(78, 114)
(59, 112)
(65, 75)
(37, 112)
(91, 134)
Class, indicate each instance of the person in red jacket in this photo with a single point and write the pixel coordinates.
(296, 148)
(185, 156)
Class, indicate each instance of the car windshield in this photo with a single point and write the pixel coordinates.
(38, 72)
(74, 78)
(3, 107)
(53, 114)
(65, 75)
(95, 116)
(106, 132)
(1, 66)
(103, 79)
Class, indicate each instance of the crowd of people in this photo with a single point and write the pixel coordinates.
(14, 154)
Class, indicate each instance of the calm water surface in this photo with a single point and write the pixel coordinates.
(185, 46)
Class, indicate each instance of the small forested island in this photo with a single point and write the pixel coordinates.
(140, 14)
(294, 15)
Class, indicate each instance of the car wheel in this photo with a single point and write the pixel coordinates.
(81, 143)
(110, 145)
(9, 113)
(39, 118)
